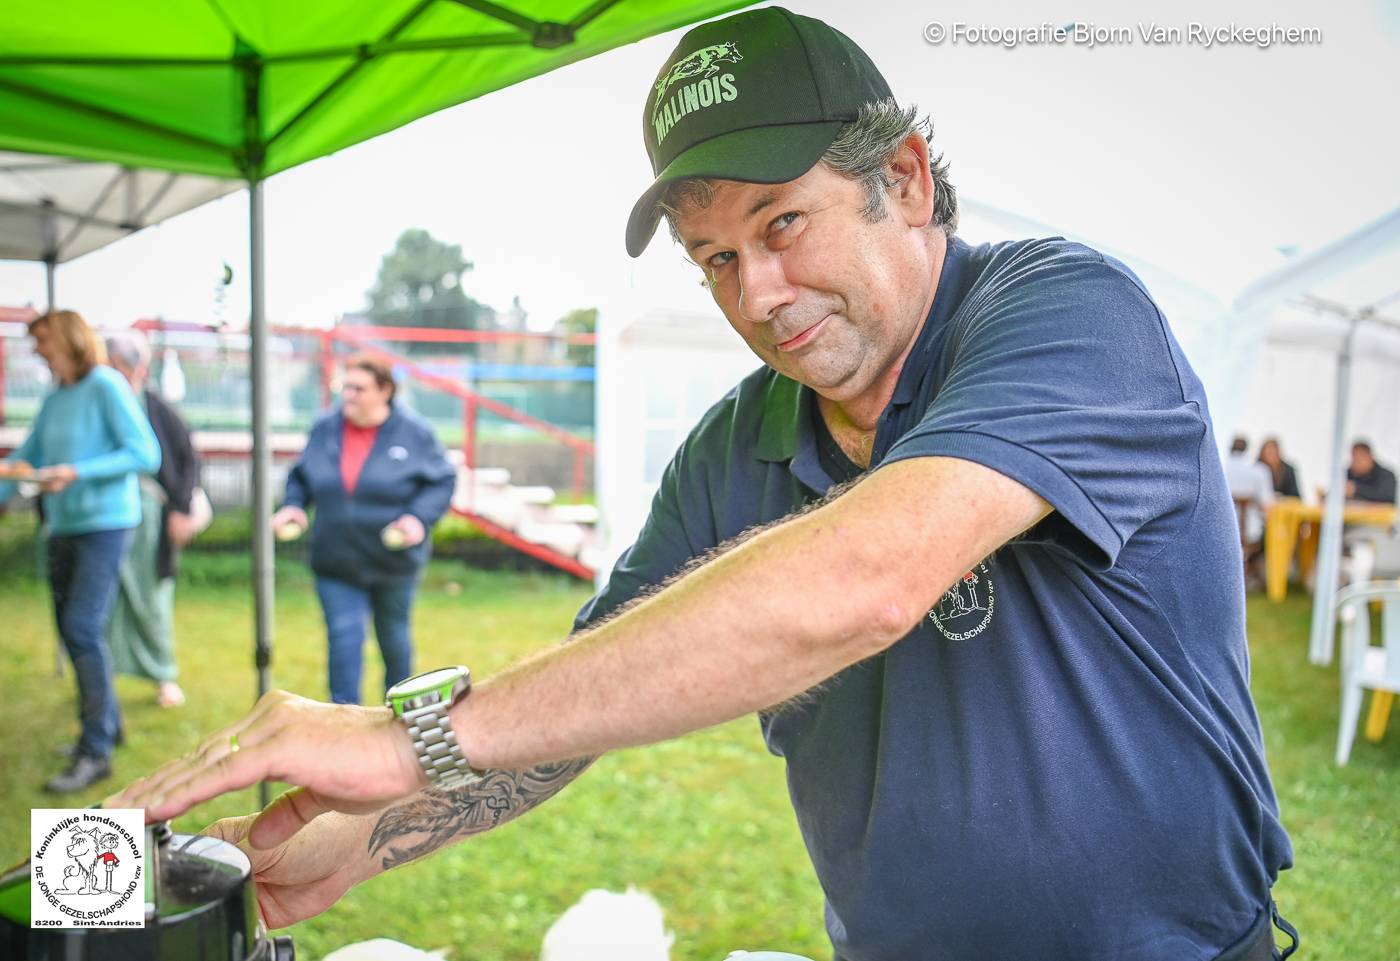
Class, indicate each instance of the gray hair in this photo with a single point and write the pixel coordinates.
(861, 151)
(129, 349)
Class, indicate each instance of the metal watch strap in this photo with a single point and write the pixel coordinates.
(436, 745)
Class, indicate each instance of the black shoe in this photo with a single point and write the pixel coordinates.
(71, 750)
(84, 772)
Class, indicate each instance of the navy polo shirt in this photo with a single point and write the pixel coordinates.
(1062, 760)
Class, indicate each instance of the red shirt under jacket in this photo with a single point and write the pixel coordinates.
(355, 444)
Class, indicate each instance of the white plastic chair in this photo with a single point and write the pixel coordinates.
(1364, 665)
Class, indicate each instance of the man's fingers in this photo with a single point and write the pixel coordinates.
(232, 830)
(285, 816)
(350, 758)
(230, 773)
(295, 809)
(259, 725)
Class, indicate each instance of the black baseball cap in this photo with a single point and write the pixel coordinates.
(756, 97)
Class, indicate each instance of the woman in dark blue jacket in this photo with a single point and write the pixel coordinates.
(379, 481)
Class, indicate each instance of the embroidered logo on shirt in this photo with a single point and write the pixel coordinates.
(966, 608)
(398, 453)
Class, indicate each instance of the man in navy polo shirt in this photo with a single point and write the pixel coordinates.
(964, 543)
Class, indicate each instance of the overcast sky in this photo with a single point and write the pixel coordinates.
(1203, 161)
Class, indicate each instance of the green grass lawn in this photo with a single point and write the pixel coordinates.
(702, 823)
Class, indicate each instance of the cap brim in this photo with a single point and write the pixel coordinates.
(760, 155)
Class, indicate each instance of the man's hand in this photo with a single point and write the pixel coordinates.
(53, 480)
(305, 875)
(180, 528)
(340, 757)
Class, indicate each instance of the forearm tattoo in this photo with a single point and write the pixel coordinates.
(437, 817)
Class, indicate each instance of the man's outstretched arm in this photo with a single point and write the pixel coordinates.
(757, 625)
(766, 621)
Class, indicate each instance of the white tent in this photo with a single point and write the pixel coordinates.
(54, 209)
(1350, 282)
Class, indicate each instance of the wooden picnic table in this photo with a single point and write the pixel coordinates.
(1284, 534)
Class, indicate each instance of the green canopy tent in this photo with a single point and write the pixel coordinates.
(243, 89)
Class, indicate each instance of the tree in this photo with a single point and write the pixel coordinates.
(420, 285)
(579, 321)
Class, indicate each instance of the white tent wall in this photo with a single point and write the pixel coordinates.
(1291, 393)
(657, 375)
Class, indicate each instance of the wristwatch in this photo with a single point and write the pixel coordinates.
(422, 702)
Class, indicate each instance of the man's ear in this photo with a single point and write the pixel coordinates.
(912, 196)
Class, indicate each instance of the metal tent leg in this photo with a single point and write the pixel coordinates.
(263, 582)
(1329, 548)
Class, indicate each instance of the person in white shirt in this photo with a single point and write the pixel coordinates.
(1252, 487)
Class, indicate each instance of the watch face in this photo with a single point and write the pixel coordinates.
(440, 681)
(426, 682)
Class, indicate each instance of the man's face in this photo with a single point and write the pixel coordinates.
(1361, 461)
(819, 293)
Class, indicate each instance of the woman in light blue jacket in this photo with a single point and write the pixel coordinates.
(88, 443)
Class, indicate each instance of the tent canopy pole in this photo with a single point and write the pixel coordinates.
(1329, 548)
(263, 561)
(263, 583)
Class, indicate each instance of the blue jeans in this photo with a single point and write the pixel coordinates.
(83, 578)
(346, 607)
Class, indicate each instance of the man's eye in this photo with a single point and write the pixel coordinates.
(784, 221)
(716, 261)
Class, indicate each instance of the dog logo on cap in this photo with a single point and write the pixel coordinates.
(704, 61)
(706, 90)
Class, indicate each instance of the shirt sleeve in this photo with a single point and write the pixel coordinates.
(1066, 381)
(1378, 486)
(297, 493)
(437, 480)
(1263, 484)
(136, 449)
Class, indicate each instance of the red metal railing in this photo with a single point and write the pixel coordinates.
(357, 338)
(472, 402)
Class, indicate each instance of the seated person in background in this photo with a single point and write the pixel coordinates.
(1367, 480)
(1252, 487)
(1250, 481)
(1285, 478)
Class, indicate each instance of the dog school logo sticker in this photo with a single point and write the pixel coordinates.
(87, 868)
(966, 608)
